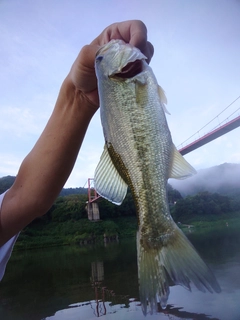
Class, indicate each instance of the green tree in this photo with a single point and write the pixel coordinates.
(203, 205)
(70, 207)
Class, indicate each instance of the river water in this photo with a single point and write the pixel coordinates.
(83, 283)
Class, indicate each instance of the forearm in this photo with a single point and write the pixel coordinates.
(50, 162)
(46, 168)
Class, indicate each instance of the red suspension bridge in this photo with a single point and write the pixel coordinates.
(229, 124)
(214, 134)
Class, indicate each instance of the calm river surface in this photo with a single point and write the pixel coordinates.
(83, 283)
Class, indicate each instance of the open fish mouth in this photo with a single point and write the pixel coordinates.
(130, 70)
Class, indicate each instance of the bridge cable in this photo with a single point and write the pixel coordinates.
(210, 121)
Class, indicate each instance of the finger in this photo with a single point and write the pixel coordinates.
(137, 34)
(137, 37)
(132, 31)
(148, 51)
(83, 72)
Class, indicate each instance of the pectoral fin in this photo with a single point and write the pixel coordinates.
(180, 168)
(107, 181)
(163, 99)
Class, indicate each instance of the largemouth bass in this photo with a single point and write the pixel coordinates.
(139, 153)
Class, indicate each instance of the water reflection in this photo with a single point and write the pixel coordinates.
(100, 292)
(133, 311)
(90, 282)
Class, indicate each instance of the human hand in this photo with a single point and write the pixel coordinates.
(82, 73)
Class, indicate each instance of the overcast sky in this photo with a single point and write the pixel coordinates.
(196, 61)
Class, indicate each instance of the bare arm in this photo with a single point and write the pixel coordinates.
(46, 168)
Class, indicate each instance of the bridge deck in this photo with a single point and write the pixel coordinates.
(229, 126)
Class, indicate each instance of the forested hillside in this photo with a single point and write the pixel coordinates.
(6, 182)
(204, 206)
(223, 179)
(67, 222)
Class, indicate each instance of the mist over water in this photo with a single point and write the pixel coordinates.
(89, 282)
(223, 179)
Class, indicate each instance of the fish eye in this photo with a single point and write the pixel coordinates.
(99, 58)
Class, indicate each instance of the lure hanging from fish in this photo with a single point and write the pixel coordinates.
(139, 153)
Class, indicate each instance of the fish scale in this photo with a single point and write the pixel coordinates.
(139, 147)
(139, 153)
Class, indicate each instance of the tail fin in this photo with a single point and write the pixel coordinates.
(177, 263)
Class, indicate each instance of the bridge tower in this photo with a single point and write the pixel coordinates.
(92, 204)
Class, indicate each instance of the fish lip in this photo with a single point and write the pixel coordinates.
(131, 59)
(130, 70)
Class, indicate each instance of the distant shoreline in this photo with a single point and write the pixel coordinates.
(65, 234)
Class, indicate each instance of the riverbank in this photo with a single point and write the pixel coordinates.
(230, 220)
(83, 231)
(77, 232)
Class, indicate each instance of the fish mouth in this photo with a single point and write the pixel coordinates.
(130, 70)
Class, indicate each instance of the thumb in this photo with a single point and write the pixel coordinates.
(82, 72)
